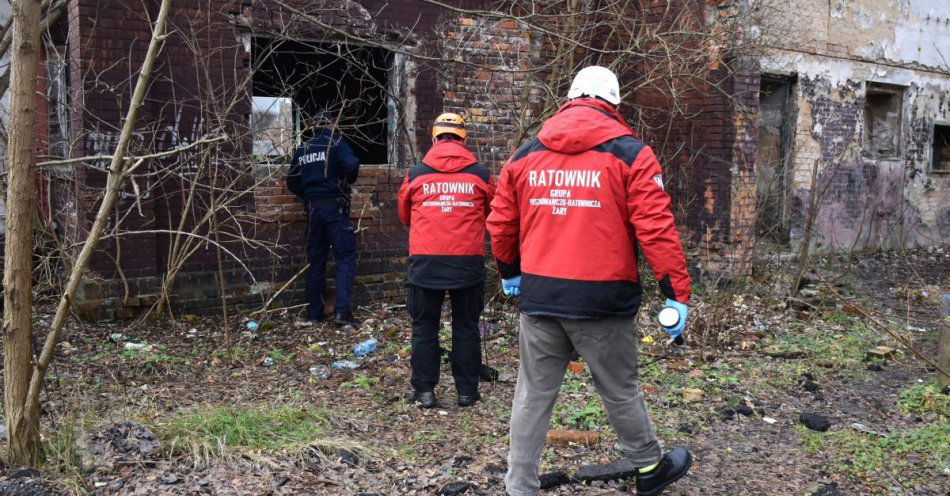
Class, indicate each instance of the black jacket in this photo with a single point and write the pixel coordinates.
(322, 166)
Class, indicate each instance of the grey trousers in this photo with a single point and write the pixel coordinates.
(609, 347)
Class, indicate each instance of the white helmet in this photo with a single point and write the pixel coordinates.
(596, 81)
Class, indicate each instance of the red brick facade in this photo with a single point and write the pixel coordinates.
(480, 57)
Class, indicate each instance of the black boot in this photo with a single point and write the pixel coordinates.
(671, 468)
(344, 319)
(425, 399)
(469, 399)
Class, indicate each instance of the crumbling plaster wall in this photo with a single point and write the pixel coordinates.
(835, 49)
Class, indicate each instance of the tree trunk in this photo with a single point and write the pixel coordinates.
(942, 378)
(23, 423)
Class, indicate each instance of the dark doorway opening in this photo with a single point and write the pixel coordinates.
(771, 168)
(297, 80)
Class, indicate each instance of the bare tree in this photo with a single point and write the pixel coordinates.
(24, 376)
(22, 426)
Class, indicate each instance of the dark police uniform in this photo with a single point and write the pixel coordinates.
(321, 173)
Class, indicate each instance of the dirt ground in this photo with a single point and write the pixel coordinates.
(114, 417)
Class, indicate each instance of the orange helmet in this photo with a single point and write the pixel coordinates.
(449, 123)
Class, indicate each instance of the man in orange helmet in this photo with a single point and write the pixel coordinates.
(444, 200)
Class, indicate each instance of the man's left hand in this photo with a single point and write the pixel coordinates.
(682, 309)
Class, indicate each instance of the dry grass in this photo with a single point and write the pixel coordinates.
(258, 432)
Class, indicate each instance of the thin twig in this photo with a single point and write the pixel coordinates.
(281, 290)
(870, 318)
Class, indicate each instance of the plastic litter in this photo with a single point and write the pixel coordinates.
(251, 325)
(138, 347)
(366, 347)
(344, 364)
(321, 372)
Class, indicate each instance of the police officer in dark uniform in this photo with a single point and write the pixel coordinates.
(321, 172)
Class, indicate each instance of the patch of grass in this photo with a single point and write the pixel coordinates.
(250, 430)
(573, 384)
(812, 442)
(280, 356)
(59, 451)
(588, 415)
(925, 399)
(428, 437)
(361, 381)
(235, 353)
(904, 455)
(59, 448)
(836, 316)
(844, 347)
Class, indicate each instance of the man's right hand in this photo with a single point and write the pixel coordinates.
(512, 286)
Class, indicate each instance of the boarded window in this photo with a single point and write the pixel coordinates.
(882, 120)
(941, 153)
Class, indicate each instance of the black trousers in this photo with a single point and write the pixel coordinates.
(425, 308)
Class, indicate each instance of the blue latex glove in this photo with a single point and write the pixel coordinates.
(682, 309)
(512, 286)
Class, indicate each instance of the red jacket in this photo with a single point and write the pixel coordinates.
(571, 206)
(444, 200)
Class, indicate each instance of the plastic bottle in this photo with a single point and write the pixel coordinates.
(321, 372)
(366, 347)
(344, 364)
(137, 347)
(669, 317)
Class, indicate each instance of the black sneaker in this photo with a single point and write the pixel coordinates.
(424, 399)
(469, 399)
(344, 319)
(671, 468)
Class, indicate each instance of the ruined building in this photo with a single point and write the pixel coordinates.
(855, 107)
(857, 90)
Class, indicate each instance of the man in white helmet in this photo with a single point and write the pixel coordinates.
(572, 209)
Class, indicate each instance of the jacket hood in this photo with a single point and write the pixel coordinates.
(582, 124)
(449, 156)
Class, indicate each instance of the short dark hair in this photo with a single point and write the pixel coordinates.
(449, 136)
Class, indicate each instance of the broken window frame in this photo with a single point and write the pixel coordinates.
(939, 129)
(396, 84)
(868, 148)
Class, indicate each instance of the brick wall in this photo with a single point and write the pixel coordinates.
(483, 74)
(126, 274)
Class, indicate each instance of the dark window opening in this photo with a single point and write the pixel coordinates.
(882, 120)
(941, 153)
(295, 81)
